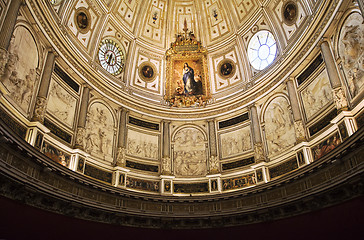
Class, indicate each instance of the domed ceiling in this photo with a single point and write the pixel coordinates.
(143, 31)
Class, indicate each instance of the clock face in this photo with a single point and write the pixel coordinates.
(111, 57)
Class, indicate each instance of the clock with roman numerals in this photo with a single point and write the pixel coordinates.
(111, 56)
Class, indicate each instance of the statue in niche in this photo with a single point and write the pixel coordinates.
(351, 48)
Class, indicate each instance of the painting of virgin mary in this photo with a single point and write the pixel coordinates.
(192, 86)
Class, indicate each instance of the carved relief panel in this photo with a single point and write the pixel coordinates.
(20, 72)
(189, 152)
(279, 127)
(99, 138)
(351, 50)
(236, 142)
(142, 145)
(317, 95)
(61, 103)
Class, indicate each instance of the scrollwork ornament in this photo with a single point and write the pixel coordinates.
(340, 99)
(40, 109)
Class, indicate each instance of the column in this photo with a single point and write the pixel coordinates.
(214, 160)
(6, 33)
(9, 23)
(257, 138)
(166, 152)
(120, 157)
(41, 102)
(297, 117)
(338, 91)
(82, 117)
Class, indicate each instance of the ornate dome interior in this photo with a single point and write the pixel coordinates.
(182, 106)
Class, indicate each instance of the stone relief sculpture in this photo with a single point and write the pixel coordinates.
(142, 145)
(279, 127)
(235, 142)
(351, 49)
(189, 152)
(19, 72)
(61, 103)
(99, 132)
(317, 94)
(166, 165)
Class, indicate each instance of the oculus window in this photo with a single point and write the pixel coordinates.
(262, 50)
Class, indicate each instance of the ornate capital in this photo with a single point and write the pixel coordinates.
(40, 109)
(166, 165)
(80, 136)
(340, 99)
(120, 157)
(258, 152)
(214, 165)
(300, 131)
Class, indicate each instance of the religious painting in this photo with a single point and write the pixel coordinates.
(187, 83)
(226, 68)
(56, 154)
(326, 146)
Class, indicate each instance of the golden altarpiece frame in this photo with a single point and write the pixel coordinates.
(187, 81)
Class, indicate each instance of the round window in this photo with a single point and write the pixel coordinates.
(262, 50)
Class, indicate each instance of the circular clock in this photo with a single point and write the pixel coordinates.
(111, 56)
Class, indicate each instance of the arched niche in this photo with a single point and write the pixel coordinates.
(21, 69)
(278, 125)
(99, 138)
(350, 47)
(189, 151)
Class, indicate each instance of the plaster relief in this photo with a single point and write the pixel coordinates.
(235, 142)
(351, 49)
(279, 127)
(20, 70)
(317, 94)
(189, 152)
(99, 132)
(61, 103)
(142, 145)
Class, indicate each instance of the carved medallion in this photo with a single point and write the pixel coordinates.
(147, 72)
(290, 12)
(226, 68)
(83, 20)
